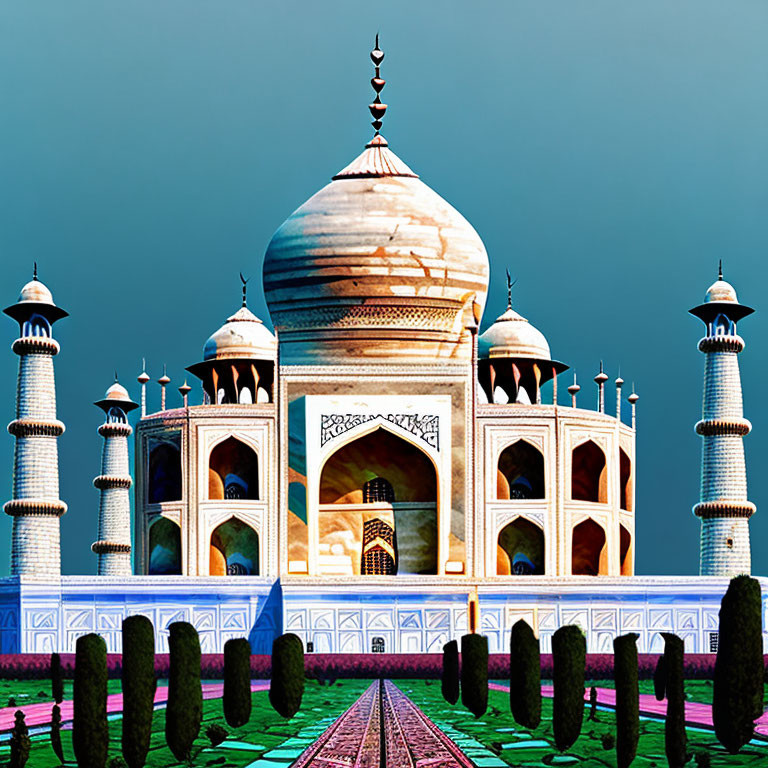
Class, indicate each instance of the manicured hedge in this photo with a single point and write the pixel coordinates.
(422, 666)
(569, 649)
(627, 699)
(286, 688)
(451, 672)
(524, 675)
(90, 734)
(138, 686)
(674, 723)
(184, 711)
(474, 673)
(237, 682)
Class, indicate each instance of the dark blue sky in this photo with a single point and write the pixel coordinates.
(607, 153)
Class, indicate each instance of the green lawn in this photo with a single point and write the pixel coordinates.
(265, 732)
(516, 746)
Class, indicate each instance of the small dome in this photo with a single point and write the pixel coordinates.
(36, 291)
(721, 291)
(242, 336)
(117, 392)
(513, 336)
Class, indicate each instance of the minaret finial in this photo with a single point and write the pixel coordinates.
(377, 108)
(245, 283)
(720, 270)
(115, 376)
(34, 271)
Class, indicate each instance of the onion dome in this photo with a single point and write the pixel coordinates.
(242, 336)
(721, 299)
(35, 298)
(376, 265)
(513, 336)
(117, 397)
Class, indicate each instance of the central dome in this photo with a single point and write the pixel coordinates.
(374, 266)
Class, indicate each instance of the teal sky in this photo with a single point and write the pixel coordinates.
(608, 153)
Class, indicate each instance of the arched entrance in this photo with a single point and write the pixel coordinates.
(233, 471)
(589, 555)
(234, 550)
(625, 480)
(164, 548)
(378, 492)
(588, 474)
(520, 472)
(520, 550)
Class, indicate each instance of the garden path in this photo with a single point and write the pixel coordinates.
(696, 713)
(383, 727)
(39, 714)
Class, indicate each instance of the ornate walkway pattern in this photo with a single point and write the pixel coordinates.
(383, 728)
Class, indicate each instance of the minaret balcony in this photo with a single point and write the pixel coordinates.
(36, 428)
(103, 482)
(722, 343)
(115, 429)
(710, 427)
(724, 508)
(40, 345)
(40, 507)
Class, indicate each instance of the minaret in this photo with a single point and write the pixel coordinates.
(114, 482)
(36, 507)
(723, 506)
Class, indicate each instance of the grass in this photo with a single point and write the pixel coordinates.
(265, 731)
(497, 731)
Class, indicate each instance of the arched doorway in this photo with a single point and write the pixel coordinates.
(381, 477)
(588, 474)
(520, 550)
(520, 472)
(233, 471)
(164, 548)
(625, 480)
(234, 550)
(164, 477)
(589, 556)
(625, 551)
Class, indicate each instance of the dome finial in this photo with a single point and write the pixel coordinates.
(34, 270)
(510, 285)
(377, 108)
(720, 270)
(245, 283)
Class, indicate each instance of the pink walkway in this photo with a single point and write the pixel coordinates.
(40, 713)
(696, 713)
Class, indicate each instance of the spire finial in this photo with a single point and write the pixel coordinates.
(720, 270)
(245, 283)
(115, 376)
(377, 108)
(34, 271)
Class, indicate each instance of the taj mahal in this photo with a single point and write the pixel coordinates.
(375, 474)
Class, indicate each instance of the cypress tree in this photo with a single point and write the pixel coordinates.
(474, 673)
(237, 682)
(139, 685)
(20, 743)
(450, 678)
(286, 687)
(627, 698)
(184, 711)
(90, 735)
(525, 676)
(569, 650)
(57, 679)
(58, 750)
(674, 725)
(659, 679)
(737, 699)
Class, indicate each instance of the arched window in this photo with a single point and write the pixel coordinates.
(588, 474)
(378, 489)
(164, 548)
(520, 550)
(520, 472)
(245, 395)
(378, 555)
(589, 555)
(625, 480)
(37, 325)
(164, 470)
(234, 550)
(722, 326)
(233, 471)
(116, 416)
(625, 551)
